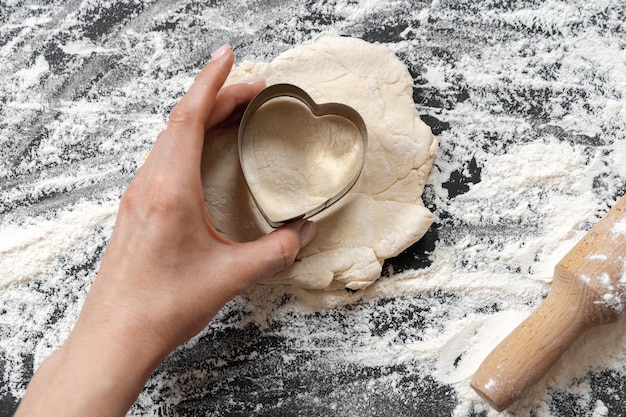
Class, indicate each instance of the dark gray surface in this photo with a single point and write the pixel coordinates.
(156, 41)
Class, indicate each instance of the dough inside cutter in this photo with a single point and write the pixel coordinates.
(295, 161)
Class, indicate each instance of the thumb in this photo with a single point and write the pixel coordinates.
(277, 250)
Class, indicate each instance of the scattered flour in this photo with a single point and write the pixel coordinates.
(600, 410)
(543, 182)
(30, 76)
(27, 250)
(619, 228)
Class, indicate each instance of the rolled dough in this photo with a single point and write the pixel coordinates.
(384, 213)
(294, 161)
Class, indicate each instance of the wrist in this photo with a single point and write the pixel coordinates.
(87, 377)
(126, 350)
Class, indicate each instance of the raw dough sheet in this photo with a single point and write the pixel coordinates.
(384, 213)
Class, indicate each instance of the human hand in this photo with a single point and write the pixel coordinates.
(167, 271)
(166, 267)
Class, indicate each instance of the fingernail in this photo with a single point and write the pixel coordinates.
(307, 233)
(255, 80)
(220, 53)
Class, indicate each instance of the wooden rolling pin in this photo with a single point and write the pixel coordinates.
(588, 289)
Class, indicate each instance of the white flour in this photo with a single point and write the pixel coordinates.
(510, 274)
(542, 185)
(26, 251)
(620, 227)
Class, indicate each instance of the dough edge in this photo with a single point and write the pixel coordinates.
(358, 264)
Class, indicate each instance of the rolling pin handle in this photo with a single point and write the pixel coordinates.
(526, 355)
(582, 281)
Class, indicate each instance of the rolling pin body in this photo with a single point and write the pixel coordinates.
(588, 289)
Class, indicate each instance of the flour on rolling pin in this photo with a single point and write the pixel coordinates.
(614, 295)
(620, 227)
(587, 290)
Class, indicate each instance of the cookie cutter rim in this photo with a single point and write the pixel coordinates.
(318, 110)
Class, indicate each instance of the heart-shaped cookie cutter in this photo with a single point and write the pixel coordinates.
(318, 110)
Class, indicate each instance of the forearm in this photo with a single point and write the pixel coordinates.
(166, 271)
(88, 377)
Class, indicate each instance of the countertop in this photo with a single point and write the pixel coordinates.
(85, 87)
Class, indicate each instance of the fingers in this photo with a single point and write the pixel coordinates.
(231, 98)
(197, 104)
(205, 105)
(181, 143)
(277, 250)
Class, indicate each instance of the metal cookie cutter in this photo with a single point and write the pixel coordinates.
(318, 110)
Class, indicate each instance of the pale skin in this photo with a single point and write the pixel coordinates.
(166, 271)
